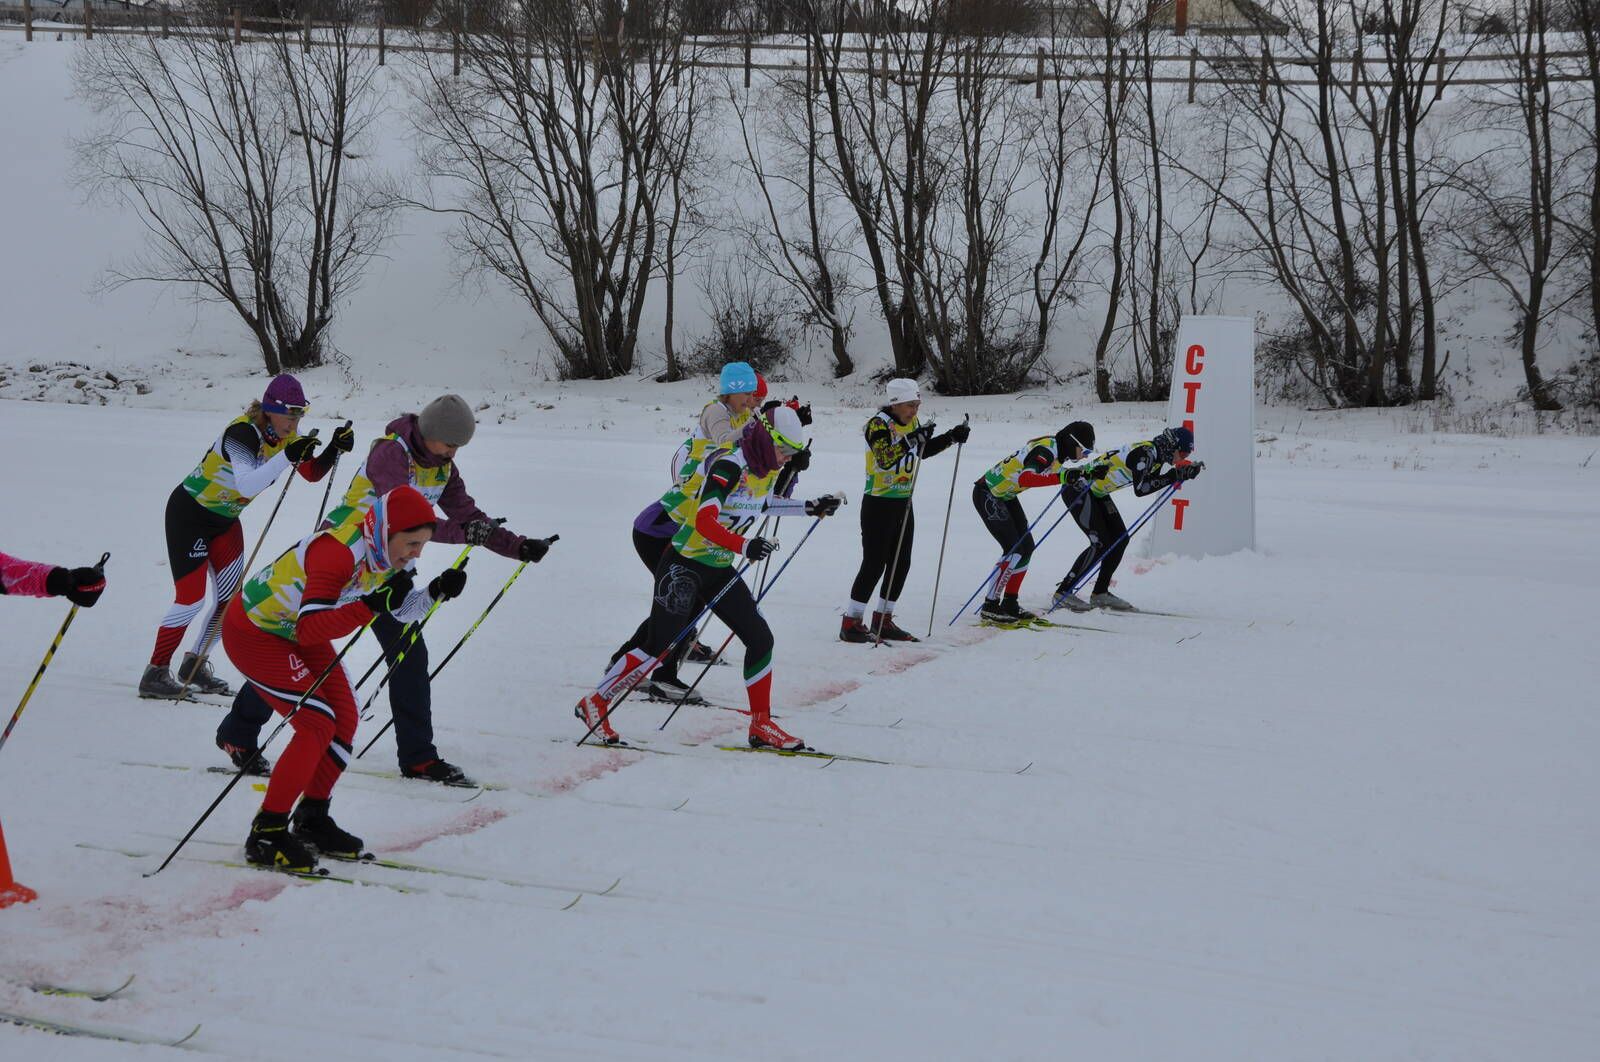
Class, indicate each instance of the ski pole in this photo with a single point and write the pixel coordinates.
(641, 672)
(459, 643)
(1144, 518)
(327, 492)
(415, 632)
(900, 540)
(716, 656)
(244, 575)
(996, 569)
(764, 591)
(245, 767)
(948, 507)
(49, 654)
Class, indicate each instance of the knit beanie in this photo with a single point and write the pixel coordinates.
(449, 420)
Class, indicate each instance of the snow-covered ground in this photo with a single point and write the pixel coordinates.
(1346, 811)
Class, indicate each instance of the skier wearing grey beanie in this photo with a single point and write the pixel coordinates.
(418, 451)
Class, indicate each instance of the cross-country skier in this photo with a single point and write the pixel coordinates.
(1036, 464)
(418, 451)
(203, 529)
(722, 498)
(1137, 465)
(280, 634)
(24, 578)
(896, 443)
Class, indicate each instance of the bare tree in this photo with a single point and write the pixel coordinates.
(246, 166)
(558, 145)
(1583, 114)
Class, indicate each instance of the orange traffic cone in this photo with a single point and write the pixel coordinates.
(10, 891)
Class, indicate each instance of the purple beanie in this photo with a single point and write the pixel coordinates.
(283, 392)
(760, 455)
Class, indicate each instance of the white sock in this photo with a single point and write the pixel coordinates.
(856, 609)
(885, 607)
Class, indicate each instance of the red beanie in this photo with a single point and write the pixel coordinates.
(406, 509)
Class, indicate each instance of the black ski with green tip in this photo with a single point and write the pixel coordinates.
(125, 1036)
(98, 995)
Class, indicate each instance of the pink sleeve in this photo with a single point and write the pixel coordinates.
(26, 578)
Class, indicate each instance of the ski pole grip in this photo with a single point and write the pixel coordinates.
(100, 565)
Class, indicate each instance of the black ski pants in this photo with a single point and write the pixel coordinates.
(884, 555)
(1102, 523)
(650, 550)
(410, 699)
(683, 587)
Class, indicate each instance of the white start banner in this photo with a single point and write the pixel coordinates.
(1214, 396)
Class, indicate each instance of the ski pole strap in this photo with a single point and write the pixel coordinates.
(1144, 518)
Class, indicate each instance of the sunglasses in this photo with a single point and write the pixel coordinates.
(778, 437)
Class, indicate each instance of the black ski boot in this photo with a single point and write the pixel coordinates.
(271, 845)
(851, 629)
(315, 827)
(442, 771)
(159, 685)
(995, 612)
(1017, 613)
(701, 653)
(259, 765)
(668, 688)
(202, 678)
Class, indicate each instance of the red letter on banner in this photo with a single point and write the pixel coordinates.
(1178, 505)
(1190, 388)
(1192, 364)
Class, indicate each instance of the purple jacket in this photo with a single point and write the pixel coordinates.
(654, 522)
(389, 466)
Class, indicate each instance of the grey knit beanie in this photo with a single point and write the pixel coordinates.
(449, 420)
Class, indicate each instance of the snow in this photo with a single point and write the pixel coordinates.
(1346, 811)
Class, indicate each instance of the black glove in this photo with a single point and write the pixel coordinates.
(301, 449)
(477, 532)
(81, 586)
(922, 436)
(1184, 473)
(799, 461)
(447, 584)
(1072, 479)
(826, 505)
(533, 549)
(803, 412)
(759, 549)
(344, 439)
(960, 433)
(392, 594)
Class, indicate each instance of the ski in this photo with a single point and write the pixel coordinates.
(126, 1036)
(361, 778)
(806, 752)
(98, 995)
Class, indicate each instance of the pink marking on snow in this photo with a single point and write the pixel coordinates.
(595, 769)
(827, 691)
(471, 822)
(902, 661)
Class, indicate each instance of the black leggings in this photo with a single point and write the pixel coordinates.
(682, 589)
(650, 550)
(1009, 525)
(881, 543)
(1102, 523)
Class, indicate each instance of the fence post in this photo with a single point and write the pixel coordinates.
(747, 62)
(382, 41)
(1438, 77)
(27, 20)
(1038, 71)
(238, 25)
(455, 54)
(88, 21)
(166, 30)
(305, 36)
(1194, 61)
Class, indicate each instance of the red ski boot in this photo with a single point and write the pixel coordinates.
(593, 711)
(851, 629)
(765, 734)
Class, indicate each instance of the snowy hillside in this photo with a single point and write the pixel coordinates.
(1342, 809)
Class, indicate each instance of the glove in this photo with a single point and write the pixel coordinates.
(1184, 473)
(477, 532)
(392, 594)
(533, 549)
(344, 439)
(301, 449)
(804, 412)
(799, 461)
(922, 436)
(81, 586)
(960, 433)
(826, 505)
(447, 584)
(1072, 478)
(759, 549)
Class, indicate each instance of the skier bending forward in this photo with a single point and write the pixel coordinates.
(726, 493)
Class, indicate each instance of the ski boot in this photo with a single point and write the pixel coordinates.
(202, 677)
(442, 771)
(271, 845)
(700, 653)
(313, 826)
(1067, 600)
(668, 688)
(159, 685)
(884, 626)
(1106, 599)
(252, 761)
(592, 710)
(765, 734)
(1017, 613)
(994, 612)
(851, 629)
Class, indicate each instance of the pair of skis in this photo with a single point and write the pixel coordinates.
(93, 1032)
